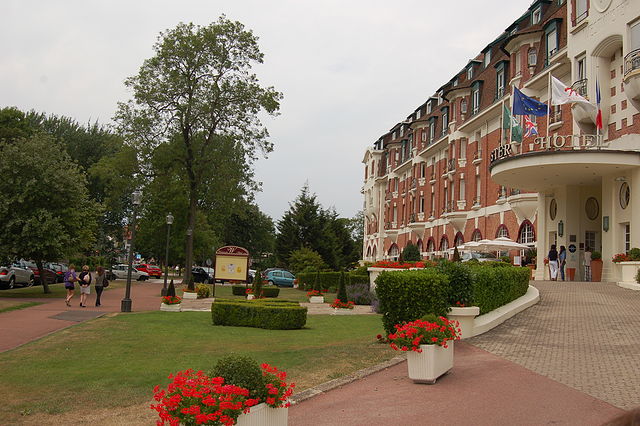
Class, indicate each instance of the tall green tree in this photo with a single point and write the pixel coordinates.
(248, 227)
(44, 216)
(199, 89)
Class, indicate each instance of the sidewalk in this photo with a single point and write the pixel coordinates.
(25, 325)
(481, 389)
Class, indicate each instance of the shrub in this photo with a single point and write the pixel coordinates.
(342, 289)
(329, 280)
(460, 287)
(506, 259)
(634, 254)
(360, 294)
(203, 291)
(638, 276)
(495, 286)
(456, 255)
(305, 260)
(270, 291)
(171, 290)
(239, 290)
(407, 295)
(241, 371)
(411, 253)
(260, 313)
(257, 284)
(596, 255)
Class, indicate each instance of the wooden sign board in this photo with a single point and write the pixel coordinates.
(232, 263)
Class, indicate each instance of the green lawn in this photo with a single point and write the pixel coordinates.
(115, 361)
(10, 305)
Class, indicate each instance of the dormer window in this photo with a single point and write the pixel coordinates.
(536, 15)
(455, 82)
(487, 58)
(395, 135)
(440, 93)
(428, 107)
(418, 114)
(532, 57)
(470, 73)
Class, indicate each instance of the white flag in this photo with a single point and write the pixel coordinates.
(561, 94)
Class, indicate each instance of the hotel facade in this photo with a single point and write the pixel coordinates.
(449, 173)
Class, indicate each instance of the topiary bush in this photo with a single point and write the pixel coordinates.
(171, 290)
(342, 289)
(596, 255)
(460, 287)
(241, 371)
(408, 295)
(456, 255)
(203, 291)
(495, 286)
(257, 284)
(411, 253)
(260, 313)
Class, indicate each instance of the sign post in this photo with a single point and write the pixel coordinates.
(232, 264)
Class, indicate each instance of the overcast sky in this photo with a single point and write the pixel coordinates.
(349, 70)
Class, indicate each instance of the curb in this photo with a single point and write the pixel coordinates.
(341, 381)
(492, 319)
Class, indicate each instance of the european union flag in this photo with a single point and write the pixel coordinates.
(524, 105)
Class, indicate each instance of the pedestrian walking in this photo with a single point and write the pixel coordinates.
(70, 278)
(562, 260)
(101, 277)
(587, 264)
(85, 285)
(553, 263)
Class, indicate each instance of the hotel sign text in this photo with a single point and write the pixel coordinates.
(548, 143)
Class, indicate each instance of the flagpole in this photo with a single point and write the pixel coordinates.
(548, 107)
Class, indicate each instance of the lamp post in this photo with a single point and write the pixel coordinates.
(166, 254)
(136, 200)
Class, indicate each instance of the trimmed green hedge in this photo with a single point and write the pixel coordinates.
(260, 313)
(267, 291)
(329, 280)
(408, 295)
(495, 286)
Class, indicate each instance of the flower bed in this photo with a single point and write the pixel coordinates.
(171, 300)
(338, 304)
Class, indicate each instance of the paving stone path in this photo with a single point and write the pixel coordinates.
(585, 335)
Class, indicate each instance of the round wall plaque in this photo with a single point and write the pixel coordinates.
(592, 208)
(553, 209)
(625, 195)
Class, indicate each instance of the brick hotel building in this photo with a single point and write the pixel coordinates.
(448, 173)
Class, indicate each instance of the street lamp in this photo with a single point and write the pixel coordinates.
(166, 254)
(136, 200)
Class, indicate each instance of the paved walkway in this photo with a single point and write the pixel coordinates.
(585, 335)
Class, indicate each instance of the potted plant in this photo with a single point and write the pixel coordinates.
(315, 295)
(629, 265)
(429, 343)
(596, 266)
(171, 302)
(249, 293)
(342, 305)
(187, 292)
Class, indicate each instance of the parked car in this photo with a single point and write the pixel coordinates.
(59, 269)
(16, 274)
(50, 275)
(151, 270)
(252, 274)
(480, 257)
(281, 278)
(266, 272)
(120, 272)
(200, 275)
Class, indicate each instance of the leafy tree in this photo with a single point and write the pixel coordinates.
(14, 125)
(250, 228)
(44, 216)
(316, 283)
(305, 260)
(411, 253)
(198, 89)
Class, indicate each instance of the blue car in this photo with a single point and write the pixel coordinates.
(281, 278)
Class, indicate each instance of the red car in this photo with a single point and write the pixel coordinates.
(151, 270)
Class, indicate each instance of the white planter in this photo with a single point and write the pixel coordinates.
(431, 363)
(342, 311)
(250, 296)
(170, 308)
(466, 317)
(263, 415)
(316, 299)
(189, 295)
(628, 271)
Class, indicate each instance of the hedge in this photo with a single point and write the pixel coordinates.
(408, 295)
(267, 291)
(260, 313)
(495, 286)
(329, 280)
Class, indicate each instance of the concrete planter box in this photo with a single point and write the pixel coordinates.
(250, 297)
(189, 295)
(170, 308)
(431, 363)
(263, 415)
(466, 317)
(342, 311)
(628, 271)
(316, 299)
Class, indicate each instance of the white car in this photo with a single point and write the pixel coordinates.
(120, 272)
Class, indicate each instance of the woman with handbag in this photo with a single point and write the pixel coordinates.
(85, 285)
(70, 279)
(101, 283)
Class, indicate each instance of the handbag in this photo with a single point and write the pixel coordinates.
(105, 283)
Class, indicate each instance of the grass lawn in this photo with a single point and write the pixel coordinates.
(116, 361)
(14, 305)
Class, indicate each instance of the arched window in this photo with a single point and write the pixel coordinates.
(476, 236)
(459, 240)
(526, 235)
(431, 246)
(369, 252)
(444, 243)
(502, 232)
(394, 252)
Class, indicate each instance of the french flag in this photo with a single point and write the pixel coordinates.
(599, 114)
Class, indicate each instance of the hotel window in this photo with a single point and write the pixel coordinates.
(536, 15)
(532, 57)
(487, 58)
(526, 234)
(581, 68)
(395, 214)
(476, 236)
(462, 190)
(424, 136)
(463, 106)
(475, 98)
(428, 107)
(590, 240)
(395, 185)
(444, 243)
(552, 41)
(582, 11)
(418, 114)
(463, 148)
(500, 82)
(394, 135)
(478, 184)
(627, 237)
(432, 129)
(421, 204)
(470, 72)
(502, 232)
(634, 36)
(440, 93)
(445, 120)
(423, 169)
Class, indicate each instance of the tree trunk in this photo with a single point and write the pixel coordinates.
(190, 229)
(43, 281)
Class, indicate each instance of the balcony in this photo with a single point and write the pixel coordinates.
(447, 208)
(432, 178)
(580, 87)
(631, 77)
(477, 157)
(476, 203)
(457, 219)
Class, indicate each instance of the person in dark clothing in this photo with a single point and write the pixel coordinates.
(553, 263)
(562, 260)
(100, 279)
(84, 279)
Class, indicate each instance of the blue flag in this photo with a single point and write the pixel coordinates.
(524, 105)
